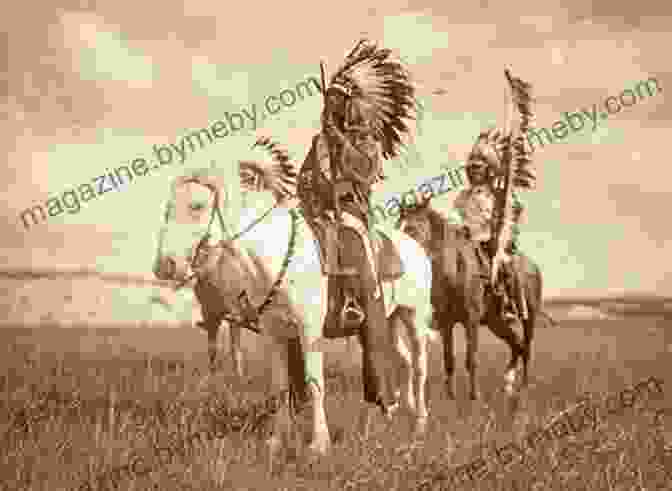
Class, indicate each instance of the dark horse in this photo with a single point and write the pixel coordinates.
(461, 293)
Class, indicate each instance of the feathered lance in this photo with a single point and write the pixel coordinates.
(518, 93)
(504, 188)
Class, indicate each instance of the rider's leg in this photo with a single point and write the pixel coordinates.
(378, 370)
(376, 338)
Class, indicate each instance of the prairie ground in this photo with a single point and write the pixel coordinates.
(150, 375)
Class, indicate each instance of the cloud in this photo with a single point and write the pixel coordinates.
(89, 89)
(99, 52)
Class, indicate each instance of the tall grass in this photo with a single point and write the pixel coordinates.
(68, 414)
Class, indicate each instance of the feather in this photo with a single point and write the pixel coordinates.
(521, 151)
(278, 177)
(383, 91)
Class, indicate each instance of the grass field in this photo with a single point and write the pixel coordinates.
(145, 370)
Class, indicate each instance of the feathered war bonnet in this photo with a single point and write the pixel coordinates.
(491, 144)
(381, 90)
(273, 171)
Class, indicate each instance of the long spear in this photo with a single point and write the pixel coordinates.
(504, 190)
(516, 167)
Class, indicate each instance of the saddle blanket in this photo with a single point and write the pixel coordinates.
(389, 260)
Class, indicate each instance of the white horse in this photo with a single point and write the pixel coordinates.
(253, 261)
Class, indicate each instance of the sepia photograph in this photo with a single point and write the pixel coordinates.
(342, 246)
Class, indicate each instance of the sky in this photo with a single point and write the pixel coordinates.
(90, 86)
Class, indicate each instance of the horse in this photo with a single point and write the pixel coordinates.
(231, 268)
(460, 293)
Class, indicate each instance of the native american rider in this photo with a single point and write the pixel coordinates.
(365, 102)
(474, 207)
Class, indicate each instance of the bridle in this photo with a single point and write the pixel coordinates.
(250, 314)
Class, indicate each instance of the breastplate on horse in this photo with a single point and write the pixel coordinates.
(361, 126)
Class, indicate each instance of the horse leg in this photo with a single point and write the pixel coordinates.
(471, 362)
(236, 352)
(314, 365)
(448, 357)
(533, 295)
(418, 334)
(396, 321)
(211, 326)
(213, 330)
(528, 335)
(285, 354)
(505, 331)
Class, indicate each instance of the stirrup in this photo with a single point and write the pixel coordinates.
(351, 313)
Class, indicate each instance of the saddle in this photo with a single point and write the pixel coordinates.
(356, 269)
(330, 238)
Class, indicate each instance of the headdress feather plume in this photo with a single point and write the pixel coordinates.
(383, 90)
(278, 177)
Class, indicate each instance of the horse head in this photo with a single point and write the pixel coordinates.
(428, 226)
(192, 208)
(206, 202)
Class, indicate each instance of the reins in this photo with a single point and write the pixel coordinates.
(217, 212)
(250, 314)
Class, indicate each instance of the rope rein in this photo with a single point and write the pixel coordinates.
(251, 225)
(218, 212)
(251, 320)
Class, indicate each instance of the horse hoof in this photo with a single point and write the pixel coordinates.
(475, 395)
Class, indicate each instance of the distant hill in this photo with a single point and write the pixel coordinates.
(73, 298)
(634, 298)
(618, 306)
